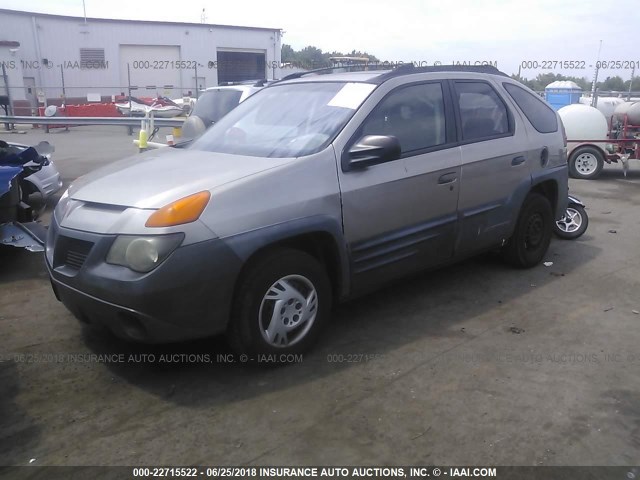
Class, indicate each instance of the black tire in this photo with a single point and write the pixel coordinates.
(580, 159)
(245, 332)
(530, 240)
(564, 230)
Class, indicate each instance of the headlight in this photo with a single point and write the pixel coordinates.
(143, 253)
(61, 206)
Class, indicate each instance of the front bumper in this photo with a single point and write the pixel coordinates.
(47, 181)
(188, 296)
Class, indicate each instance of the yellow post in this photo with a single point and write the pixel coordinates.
(142, 140)
(177, 132)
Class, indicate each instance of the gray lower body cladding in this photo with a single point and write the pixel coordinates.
(188, 296)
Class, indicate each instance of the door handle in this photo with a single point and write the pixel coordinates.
(518, 160)
(447, 178)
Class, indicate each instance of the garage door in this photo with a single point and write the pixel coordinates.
(239, 66)
(151, 70)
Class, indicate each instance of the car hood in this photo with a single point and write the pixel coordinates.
(158, 177)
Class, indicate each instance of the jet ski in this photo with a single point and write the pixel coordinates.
(162, 107)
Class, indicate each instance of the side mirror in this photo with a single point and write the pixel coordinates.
(193, 127)
(371, 150)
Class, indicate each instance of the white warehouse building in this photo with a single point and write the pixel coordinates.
(96, 59)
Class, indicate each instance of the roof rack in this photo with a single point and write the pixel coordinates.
(409, 68)
(295, 75)
(356, 67)
(405, 69)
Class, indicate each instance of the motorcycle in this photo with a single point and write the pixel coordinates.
(574, 222)
(17, 225)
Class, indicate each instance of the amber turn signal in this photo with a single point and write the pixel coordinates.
(185, 210)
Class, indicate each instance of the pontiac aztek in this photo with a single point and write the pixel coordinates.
(318, 188)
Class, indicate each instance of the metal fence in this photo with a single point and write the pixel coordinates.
(78, 121)
(26, 98)
(56, 95)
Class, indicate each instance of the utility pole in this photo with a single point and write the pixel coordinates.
(8, 108)
(594, 98)
(64, 92)
(197, 86)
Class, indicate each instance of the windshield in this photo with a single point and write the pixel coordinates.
(289, 120)
(215, 104)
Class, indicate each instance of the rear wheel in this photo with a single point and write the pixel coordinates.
(282, 303)
(586, 163)
(531, 238)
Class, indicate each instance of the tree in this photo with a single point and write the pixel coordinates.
(612, 83)
(539, 83)
(311, 57)
(524, 81)
(583, 82)
(287, 53)
(635, 87)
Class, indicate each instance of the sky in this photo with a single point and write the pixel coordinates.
(508, 32)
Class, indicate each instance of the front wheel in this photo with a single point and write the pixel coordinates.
(282, 302)
(530, 240)
(573, 224)
(586, 163)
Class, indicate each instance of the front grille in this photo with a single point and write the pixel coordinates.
(75, 259)
(73, 251)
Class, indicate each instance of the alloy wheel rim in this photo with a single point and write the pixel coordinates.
(571, 221)
(288, 311)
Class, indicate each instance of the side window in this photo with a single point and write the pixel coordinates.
(541, 116)
(482, 113)
(413, 114)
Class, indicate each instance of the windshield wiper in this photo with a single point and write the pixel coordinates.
(183, 144)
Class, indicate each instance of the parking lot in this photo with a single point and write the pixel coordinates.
(476, 363)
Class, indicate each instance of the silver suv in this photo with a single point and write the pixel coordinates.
(214, 103)
(316, 189)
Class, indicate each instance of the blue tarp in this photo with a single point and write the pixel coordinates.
(6, 175)
(11, 166)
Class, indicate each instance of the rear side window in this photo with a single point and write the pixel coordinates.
(483, 114)
(541, 116)
(413, 114)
